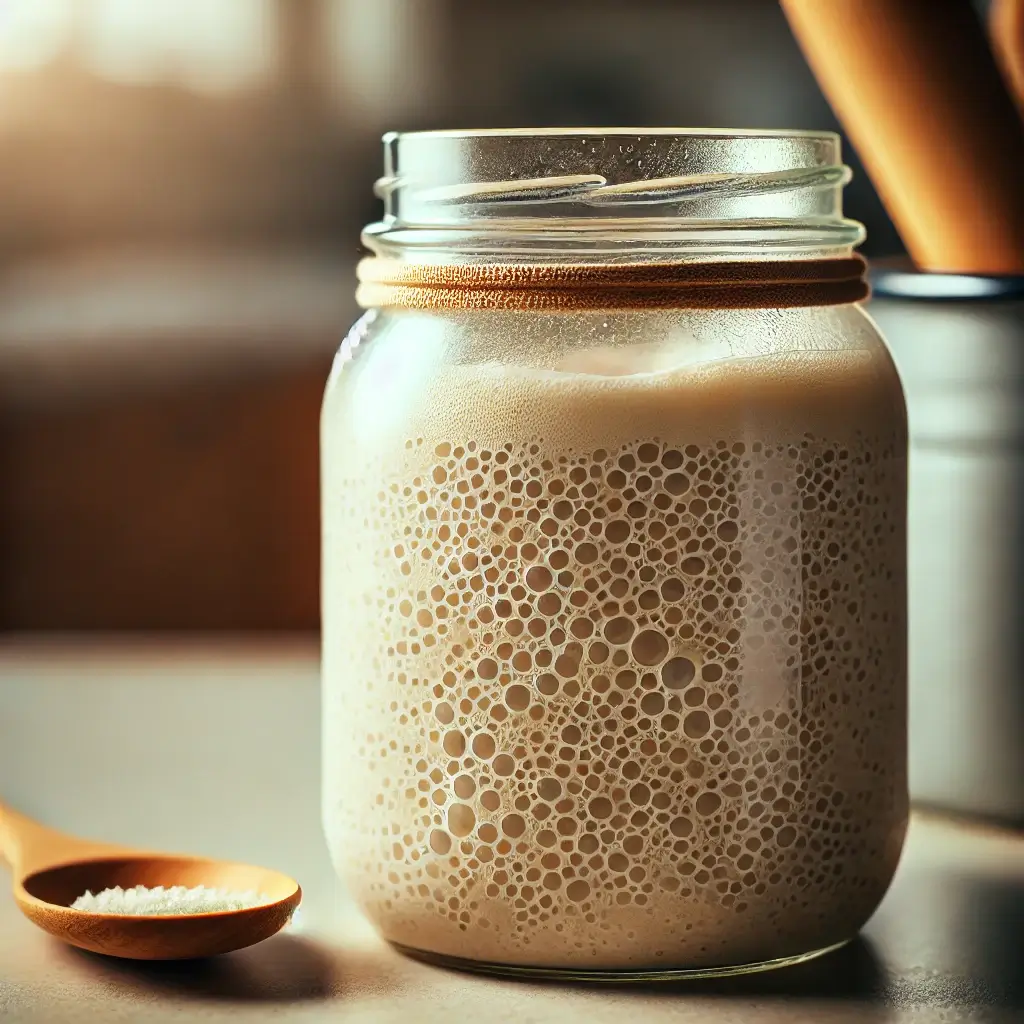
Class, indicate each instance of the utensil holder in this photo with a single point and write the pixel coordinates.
(958, 342)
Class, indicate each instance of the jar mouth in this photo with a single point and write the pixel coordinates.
(615, 193)
(629, 132)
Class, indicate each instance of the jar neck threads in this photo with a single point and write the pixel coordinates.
(612, 196)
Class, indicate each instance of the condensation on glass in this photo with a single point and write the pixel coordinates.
(614, 500)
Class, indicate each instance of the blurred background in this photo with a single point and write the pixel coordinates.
(182, 185)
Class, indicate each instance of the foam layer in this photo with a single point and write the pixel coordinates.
(614, 663)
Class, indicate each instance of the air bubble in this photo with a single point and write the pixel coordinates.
(617, 531)
(696, 724)
(652, 704)
(549, 789)
(680, 827)
(454, 743)
(513, 825)
(708, 803)
(578, 891)
(538, 578)
(678, 673)
(440, 842)
(650, 647)
(461, 819)
(465, 787)
(483, 746)
(619, 630)
(677, 483)
(517, 697)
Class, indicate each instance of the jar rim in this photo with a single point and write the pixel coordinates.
(630, 132)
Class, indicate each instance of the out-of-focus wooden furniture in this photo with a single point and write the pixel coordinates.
(158, 441)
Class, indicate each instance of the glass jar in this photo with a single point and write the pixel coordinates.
(614, 501)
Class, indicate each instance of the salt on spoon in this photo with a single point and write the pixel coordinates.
(52, 871)
(177, 899)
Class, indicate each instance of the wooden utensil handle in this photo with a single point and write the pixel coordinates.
(1006, 29)
(28, 846)
(917, 89)
(19, 836)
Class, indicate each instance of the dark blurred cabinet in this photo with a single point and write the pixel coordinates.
(159, 443)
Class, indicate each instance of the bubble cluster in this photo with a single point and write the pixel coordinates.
(625, 706)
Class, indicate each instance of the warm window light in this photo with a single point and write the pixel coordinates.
(32, 32)
(208, 46)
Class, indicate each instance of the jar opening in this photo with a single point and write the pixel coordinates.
(612, 195)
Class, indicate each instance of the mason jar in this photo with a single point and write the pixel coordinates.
(614, 611)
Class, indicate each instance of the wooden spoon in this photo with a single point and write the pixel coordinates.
(51, 870)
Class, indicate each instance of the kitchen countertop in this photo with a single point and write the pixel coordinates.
(214, 749)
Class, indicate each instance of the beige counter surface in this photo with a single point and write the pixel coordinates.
(215, 750)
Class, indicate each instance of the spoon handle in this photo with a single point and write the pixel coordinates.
(28, 846)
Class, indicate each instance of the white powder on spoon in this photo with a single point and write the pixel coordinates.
(174, 900)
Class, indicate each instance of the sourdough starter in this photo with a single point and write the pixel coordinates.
(615, 663)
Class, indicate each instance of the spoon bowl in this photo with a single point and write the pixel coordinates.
(51, 870)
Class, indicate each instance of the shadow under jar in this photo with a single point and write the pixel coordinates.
(614, 611)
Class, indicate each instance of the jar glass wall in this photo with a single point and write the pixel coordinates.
(614, 591)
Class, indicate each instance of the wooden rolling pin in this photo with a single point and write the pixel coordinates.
(918, 91)
(1006, 27)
